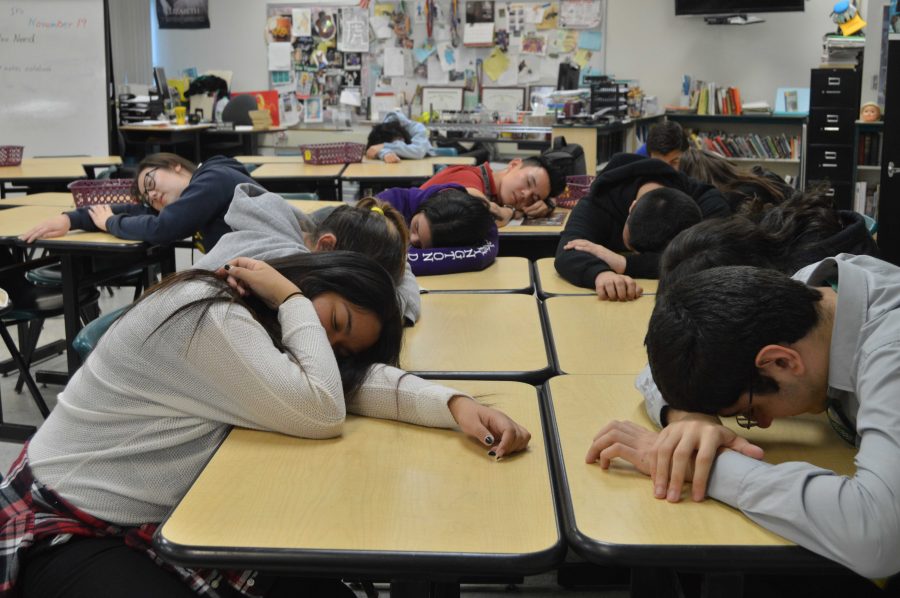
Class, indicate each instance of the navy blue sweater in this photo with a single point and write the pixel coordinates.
(198, 212)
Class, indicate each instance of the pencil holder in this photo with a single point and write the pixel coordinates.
(90, 192)
(332, 153)
(577, 186)
(10, 155)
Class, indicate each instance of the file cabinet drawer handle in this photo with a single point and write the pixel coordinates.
(832, 129)
(832, 118)
(829, 192)
(830, 155)
(834, 80)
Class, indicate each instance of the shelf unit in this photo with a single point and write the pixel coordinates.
(867, 173)
(763, 124)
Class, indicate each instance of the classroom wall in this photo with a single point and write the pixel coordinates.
(644, 41)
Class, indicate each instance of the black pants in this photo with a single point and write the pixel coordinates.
(107, 568)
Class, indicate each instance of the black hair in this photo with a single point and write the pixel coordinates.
(355, 277)
(707, 329)
(371, 227)
(456, 218)
(658, 216)
(802, 230)
(557, 177)
(734, 241)
(386, 132)
(666, 137)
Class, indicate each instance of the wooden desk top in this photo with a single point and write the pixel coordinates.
(506, 274)
(63, 201)
(297, 170)
(15, 221)
(451, 160)
(598, 337)
(168, 128)
(615, 513)
(477, 335)
(376, 169)
(383, 489)
(308, 206)
(536, 230)
(269, 159)
(66, 167)
(550, 283)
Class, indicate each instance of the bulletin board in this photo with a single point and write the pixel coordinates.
(325, 51)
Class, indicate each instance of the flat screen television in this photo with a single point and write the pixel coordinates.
(733, 7)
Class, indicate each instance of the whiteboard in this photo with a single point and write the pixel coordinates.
(53, 77)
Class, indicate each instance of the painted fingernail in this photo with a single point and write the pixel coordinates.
(489, 439)
(492, 453)
(227, 266)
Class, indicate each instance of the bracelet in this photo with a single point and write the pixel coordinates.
(294, 294)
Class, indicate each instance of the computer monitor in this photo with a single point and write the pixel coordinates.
(162, 84)
(568, 77)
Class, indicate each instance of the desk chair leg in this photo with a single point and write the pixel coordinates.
(28, 347)
(23, 368)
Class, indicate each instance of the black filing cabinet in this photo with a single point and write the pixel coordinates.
(833, 109)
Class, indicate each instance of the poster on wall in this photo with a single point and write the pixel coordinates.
(182, 14)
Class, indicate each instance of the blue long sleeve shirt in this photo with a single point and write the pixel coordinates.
(199, 212)
(419, 145)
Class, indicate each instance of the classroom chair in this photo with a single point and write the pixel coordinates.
(88, 337)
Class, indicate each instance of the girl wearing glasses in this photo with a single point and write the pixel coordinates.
(178, 200)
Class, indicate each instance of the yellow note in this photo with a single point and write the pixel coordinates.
(384, 10)
(550, 18)
(582, 57)
(496, 64)
(568, 40)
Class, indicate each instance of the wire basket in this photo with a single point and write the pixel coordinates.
(94, 192)
(577, 186)
(332, 153)
(10, 155)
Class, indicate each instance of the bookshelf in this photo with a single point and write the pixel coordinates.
(867, 145)
(758, 127)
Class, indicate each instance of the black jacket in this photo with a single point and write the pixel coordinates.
(600, 217)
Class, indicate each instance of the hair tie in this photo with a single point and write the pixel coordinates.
(377, 209)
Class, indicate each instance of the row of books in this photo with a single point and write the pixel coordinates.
(747, 145)
(869, 150)
(865, 201)
(709, 98)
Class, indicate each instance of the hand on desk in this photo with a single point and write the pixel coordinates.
(613, 259)
(616, 287)
(392, 158)
(372, 152)
(538, 209)
(489, 426)
(100, 214)
(682, 452)
(58, 226)
(502, 214)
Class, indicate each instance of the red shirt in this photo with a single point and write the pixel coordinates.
(467, 176)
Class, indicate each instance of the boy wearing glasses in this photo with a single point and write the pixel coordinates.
(178, 200)
(753, 343)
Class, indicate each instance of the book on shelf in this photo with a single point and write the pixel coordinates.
(757, 107)
(869, 149)
(859, 197)
(746, 145)
(708, 97)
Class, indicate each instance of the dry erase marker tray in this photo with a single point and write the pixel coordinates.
(92, 192)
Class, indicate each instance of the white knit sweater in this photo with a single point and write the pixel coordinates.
(138, 421)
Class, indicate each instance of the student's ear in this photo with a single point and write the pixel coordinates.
(777, 361)
(176, 168)
(631, 207)
(514, 163)
(326, 242)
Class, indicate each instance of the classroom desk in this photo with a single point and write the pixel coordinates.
(381, 175)
(386, 499)
(451, 160)
(166, 134)
(308, 206)
(589, 336)
(288, 176)
(612, 516)
(533, 242)
(269, 159)
(63, 201)
(505, 275)
(480, 336)
(550, 283)
(76, 251)
(53, 171)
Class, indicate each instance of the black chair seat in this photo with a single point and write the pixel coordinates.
(33, 301)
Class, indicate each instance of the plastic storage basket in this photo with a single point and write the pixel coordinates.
(332, 153)
(10, 155)
(92, 192)
(577, 186)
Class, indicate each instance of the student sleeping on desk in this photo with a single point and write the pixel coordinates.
(178, 200)
(288, 346)
(825, 339)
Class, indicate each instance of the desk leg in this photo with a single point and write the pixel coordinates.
(197, 157)
(72, 272)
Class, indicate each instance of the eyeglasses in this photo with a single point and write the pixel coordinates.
(149, 185)
(746, 419)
